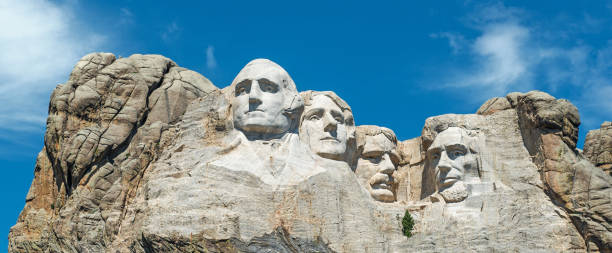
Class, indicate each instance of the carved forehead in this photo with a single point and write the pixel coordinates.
(264, 68)
(321, 101)
(372, 130)
(309, 96)
(378, 142)
(451, 136)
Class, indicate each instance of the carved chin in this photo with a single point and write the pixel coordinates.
(263, 125)
(330, 150)
(455, 193)
(383, 195)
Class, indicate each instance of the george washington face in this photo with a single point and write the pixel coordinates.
(261, 96)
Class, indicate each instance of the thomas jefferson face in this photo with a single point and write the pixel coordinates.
(325, 129)
(451, 157)
(259, 98)
(376, 165)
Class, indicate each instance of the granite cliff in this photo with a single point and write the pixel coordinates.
(141, 155)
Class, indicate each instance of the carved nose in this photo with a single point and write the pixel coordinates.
(330, 123)
(386, 165)
(255, 94)
(444, 164)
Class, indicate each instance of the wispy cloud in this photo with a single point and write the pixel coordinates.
(456, 41)
(514, 52)
(211, 61)
(125, 16)
(500, 55)
(37, 51)
(170, 32)
(499, 58)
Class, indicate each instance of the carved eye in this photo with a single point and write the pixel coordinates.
(435, 156)
(456, 153)
(375, 160)
(240, 91)
(337, 116)
(314, 117)
(243, 87)
(373, 156)
(268, 86)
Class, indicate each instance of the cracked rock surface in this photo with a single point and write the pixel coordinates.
(598, 147)
(105, 125)
(141, 155)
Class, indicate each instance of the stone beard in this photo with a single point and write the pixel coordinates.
(454, 161)
(265, 100)
(327, 125)
(377, 162)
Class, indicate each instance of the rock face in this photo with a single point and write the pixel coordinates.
(141, 155)
(550, 128)
(105, 125)
(598, 147)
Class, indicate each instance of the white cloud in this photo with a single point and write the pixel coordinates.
(211, 62)
(39, 45)
(500, 60)
(508, 55)
(515, 53)
(500, 56)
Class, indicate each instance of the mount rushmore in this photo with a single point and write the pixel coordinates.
(141, 155)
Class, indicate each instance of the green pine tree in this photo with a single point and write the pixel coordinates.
(407, 224)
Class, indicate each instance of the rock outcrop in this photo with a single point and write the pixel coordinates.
(550, 131)
(105, 125)
(598, 147)
(141, 155)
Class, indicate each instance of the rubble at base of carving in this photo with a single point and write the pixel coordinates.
(141, 155)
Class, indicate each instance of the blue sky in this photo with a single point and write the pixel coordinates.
(396, 63)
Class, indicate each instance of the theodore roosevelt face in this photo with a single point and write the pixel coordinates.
(376, 165)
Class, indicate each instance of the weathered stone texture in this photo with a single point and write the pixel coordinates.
(105, 125)
(549, 127)
(494, 105)
(141, 155)
(506, 203)
(598, 147)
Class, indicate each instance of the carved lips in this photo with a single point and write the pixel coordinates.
(256, 112)
(449, 180)
(381, 181)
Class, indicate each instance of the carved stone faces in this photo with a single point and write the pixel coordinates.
(453, 161)
(377, 162)
(327, 125)
(265, 100)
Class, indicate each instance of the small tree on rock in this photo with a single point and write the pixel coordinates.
(407, 224)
